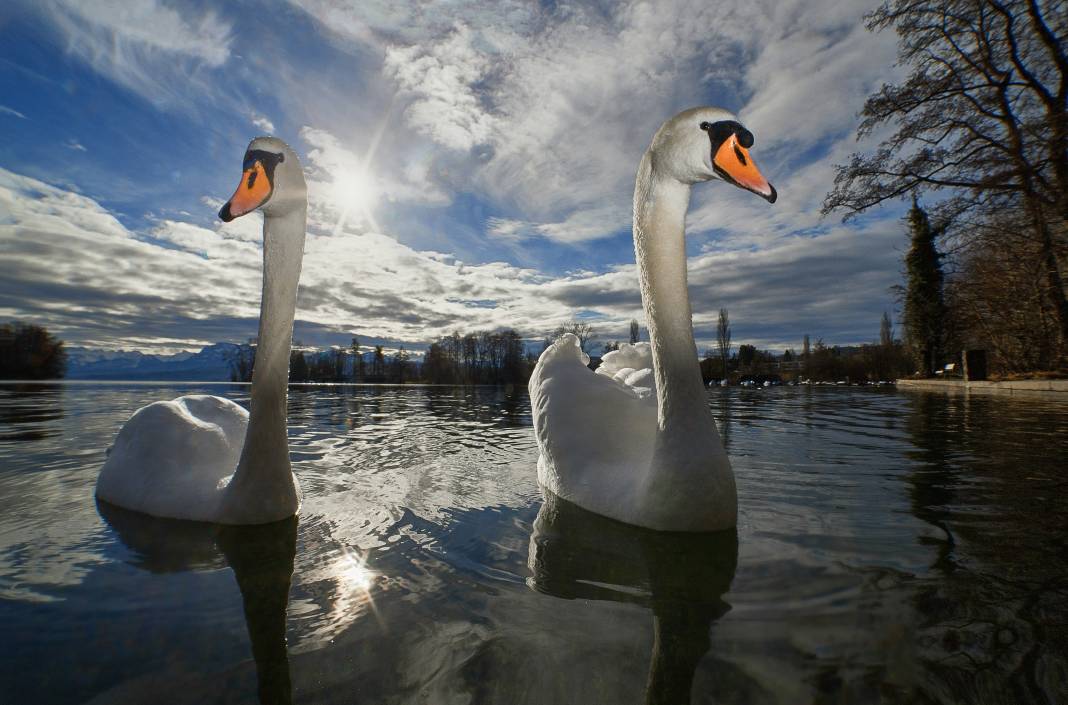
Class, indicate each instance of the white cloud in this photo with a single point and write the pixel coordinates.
(4, 110)
(580, 226)
(148, 46)
(75, 145)
(380, 23)
(508, 229)
(262, 122)
(441, 78)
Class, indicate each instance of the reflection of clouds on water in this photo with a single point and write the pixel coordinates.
(49, 536)
(818, 476)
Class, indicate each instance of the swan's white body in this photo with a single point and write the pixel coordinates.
(636, 441)
(205, 458)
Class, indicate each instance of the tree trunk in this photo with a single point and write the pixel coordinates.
(1054, 278)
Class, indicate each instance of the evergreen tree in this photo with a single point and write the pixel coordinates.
(378, 367)
(886, 331)
(925, 308)
(723, 338)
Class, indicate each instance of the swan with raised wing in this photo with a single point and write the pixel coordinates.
(205, 458)
(636, 441)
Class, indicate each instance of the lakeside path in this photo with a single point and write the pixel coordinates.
(1046, 388)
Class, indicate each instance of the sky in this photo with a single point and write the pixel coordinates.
(470, 166)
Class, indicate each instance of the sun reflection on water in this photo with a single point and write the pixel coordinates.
(354, 575)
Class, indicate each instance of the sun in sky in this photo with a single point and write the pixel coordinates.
(354, 193)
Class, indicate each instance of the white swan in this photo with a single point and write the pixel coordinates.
(635, 444)
(203, 457)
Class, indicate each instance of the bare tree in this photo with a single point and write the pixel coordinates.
(982, 117)
(583, 331)
(633, 331)
(998, 300)
(723, 338)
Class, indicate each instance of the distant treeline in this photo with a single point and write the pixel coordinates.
(822, 363)
(475, 358)
(337, 364)
(478, 358)
(883, 360)
(30, 352)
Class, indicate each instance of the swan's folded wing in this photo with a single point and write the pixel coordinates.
(170, 456)
(591, 428)
(632, 366)
(636, 356)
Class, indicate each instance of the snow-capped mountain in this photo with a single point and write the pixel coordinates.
(211, 364)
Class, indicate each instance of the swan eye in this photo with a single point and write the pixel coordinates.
(706, 126)
(267, 160)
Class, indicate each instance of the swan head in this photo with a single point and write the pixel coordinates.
(272, 180)
(702, 144)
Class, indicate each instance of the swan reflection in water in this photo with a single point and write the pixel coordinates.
(261, 557)
(682, 577)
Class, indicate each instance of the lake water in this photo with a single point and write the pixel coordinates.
(892, 548)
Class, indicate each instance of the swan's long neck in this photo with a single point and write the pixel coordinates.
(688, 459)
(660, 206)
(264, 476)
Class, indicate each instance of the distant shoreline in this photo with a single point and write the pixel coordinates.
(173, 382)
(1048, 388)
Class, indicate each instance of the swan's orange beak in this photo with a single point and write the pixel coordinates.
(253, 191)
(733, 163)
